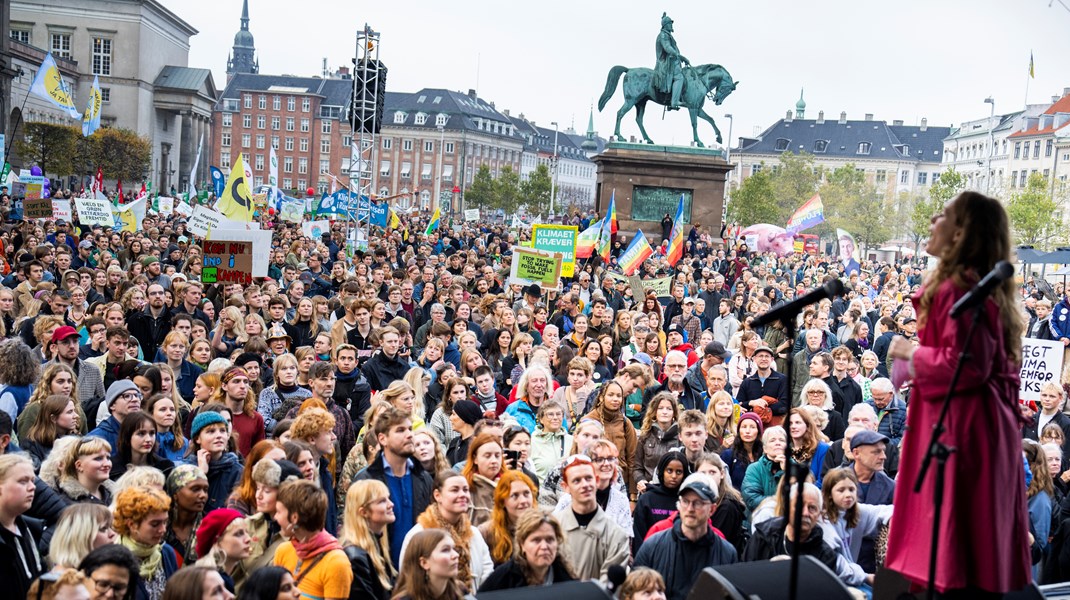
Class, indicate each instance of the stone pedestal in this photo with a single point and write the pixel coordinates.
(649, 180)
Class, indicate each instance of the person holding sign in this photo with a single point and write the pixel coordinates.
(985, 483)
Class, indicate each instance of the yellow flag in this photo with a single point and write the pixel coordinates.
(236, 203)
(394, 220)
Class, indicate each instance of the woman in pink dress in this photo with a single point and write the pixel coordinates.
(983, 540)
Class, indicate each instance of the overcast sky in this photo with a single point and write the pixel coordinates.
(549, 59)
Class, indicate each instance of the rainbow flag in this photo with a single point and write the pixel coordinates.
(676, 238)
(612, 213)
(809, 214)
(638, 251)
(436, 220)
(605, 239)
(588, 239)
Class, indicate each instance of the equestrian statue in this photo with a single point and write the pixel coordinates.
(673, 83)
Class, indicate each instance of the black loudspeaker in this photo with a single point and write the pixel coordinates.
(573, 590)
(890, 585)
(768, 580)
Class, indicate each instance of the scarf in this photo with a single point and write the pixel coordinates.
(462, 537)
(321, 543)
(149, 557)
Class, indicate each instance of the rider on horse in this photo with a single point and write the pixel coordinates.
(668, 75)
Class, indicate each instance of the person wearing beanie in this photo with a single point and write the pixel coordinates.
(235, 392)
(259, 373)
(746, 449)
(187, 486)
(122, 398)
(223, 543)
(209, 435)
(153, 272)
(463, 419)
(269, 475)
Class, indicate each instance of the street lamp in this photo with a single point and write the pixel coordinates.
(991, 144)
(727, 159)
(553, 173)
(438, 179)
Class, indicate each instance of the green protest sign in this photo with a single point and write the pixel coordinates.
(557, 238)
(530, 266)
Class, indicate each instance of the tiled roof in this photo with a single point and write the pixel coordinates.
(1062, 105)
(842, 140)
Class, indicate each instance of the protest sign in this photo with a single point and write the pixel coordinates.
(535, 266)
(61, 209)
(167, 205)
(471, 214)
(315, 229)
(227, 262)
(1042, 362)
(18, 189)
(94, 211)
(205, 218)
(662, 286)
(292, 211)
(183, 208)
(261, 241)
(37, 208)
(557, 238)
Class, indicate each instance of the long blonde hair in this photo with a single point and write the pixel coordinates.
(355, 531)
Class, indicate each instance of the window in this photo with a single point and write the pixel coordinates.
(227, 118)
(21, 35)
(226, 139)
(755, 169)
(224, 159)
(1014, 178)
(306, 104)
(820, 145)
(325, 146)
(261, 102)
(440, 119)
(305, 125)
(425, 172)
(276, 123)
(276, 103)
(303, 144)
(105, 97)
(399, 117)
(60, 44)
(259, 142)
(302, 184)
(881, 176)
(1025, 176)
(259, 162)
(448, 148)
(406, 170)
(347, 140)
(447, 173)
(261, 122)
(289, 144)
(288, 165)
(388, 143)
(863, 147)
(421, 118)
(247, 121)
(325, 166)
(101, 56)
(326, 127)
(429, 146)
(287, 183)
(406, 145)
(1017, 149)
(384, 168)
(1046, 173)
(291, 104)
(246, 139)
(258, 181)
(1036, 149)
(289, 123)
(781, 145)
(1048, 147)
(275, 142)
(922, 177)
(302, 165)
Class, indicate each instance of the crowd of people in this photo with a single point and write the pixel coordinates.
(406, 423)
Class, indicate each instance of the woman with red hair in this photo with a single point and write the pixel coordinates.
(483, 469)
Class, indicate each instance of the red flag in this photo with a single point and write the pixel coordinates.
(142, 193)
(98, 181)
(119, 191)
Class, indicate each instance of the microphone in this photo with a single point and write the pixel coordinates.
(788, 310)
(615, 576)
(1000, 273)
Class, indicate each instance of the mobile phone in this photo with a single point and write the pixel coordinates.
(512, 457)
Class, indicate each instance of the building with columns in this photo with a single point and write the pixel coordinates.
(139, 49)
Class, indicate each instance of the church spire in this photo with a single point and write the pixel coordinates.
(590, 144)
(800, 106)
(243, 55)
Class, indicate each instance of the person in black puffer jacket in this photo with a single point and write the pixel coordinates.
(387, 365)
(659, 500)
(351, 389)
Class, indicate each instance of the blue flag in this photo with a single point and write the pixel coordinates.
(219, 182)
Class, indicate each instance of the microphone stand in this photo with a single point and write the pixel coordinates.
(941, 452)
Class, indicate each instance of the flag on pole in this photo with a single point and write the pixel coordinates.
(436, 220)
(273, 169)
(197, 163)
(811, 213)
(612, 212)
(394, 220)
(236, 203)
(588, 239)
(118, 192)
(605, 239)
(638, 251)
(131, 215)
(91, 119)
(1032, 71)
(676, 238)
(141, 195)
(49, 85)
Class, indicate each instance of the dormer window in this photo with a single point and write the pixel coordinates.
(440, 120)
(863, 147)
(421, 118)
(399, 117)
(820, 146)
(781, 144)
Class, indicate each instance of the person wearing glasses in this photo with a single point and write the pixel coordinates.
(675, 370)
(123, 398)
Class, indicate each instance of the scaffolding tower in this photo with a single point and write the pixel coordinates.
(365, 115)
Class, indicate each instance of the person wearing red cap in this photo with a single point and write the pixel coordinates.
(223, 542)
(63, 348)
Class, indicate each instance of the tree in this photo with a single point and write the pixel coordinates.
(121, 153)
(51, 147)
(943, 189)
(535, 191)
(794, 181)
(852, 203)
(754, 201)
(1034, 214)
(481, 192)
(507, 190)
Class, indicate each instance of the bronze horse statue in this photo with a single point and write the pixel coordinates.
(700, 82)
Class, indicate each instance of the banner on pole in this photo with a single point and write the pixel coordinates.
(557, 238)
(1042, 362)
(94, 211)
(535, 266)
(471, 214)
(227, 262)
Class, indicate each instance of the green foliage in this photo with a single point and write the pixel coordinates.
(923, 208)
(795, 181)
(121, 153)
(481, 192)
(535, 190)
(1034, 214)
(755, 201)
(54, 148)
(852, 203)
(507, 190)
